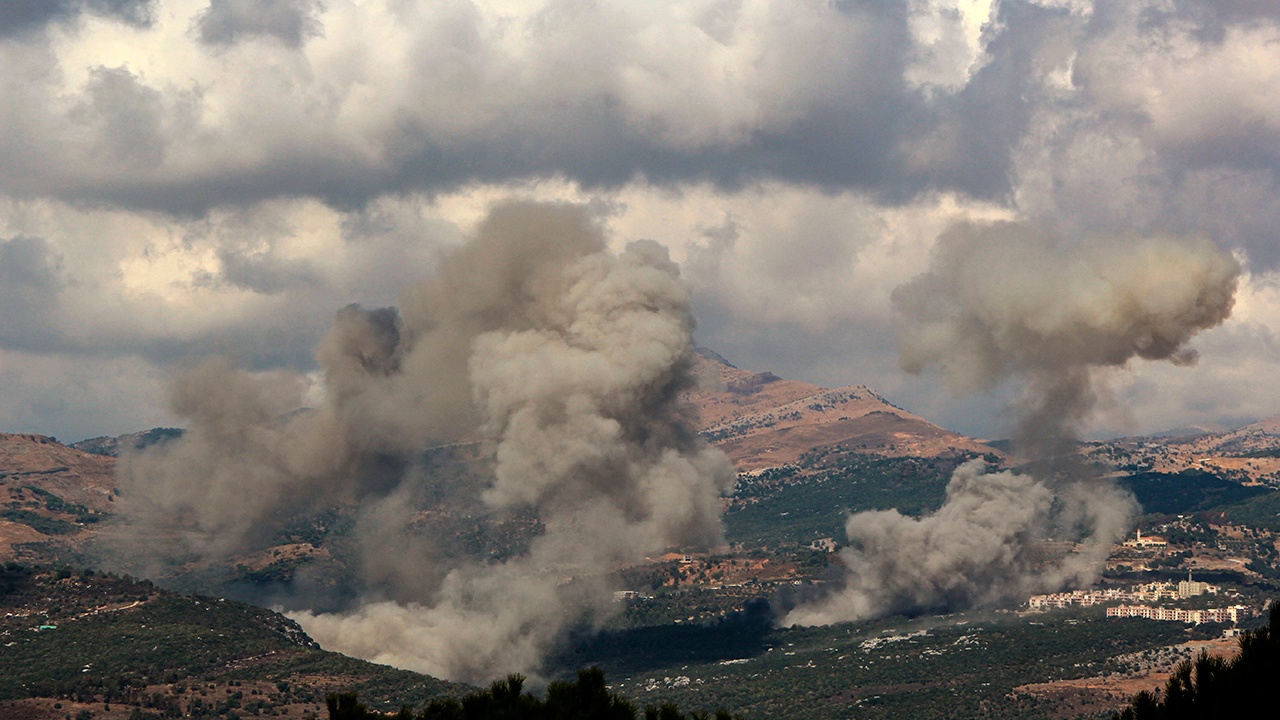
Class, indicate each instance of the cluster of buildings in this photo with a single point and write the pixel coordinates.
(1232, 614)
(1151, 592)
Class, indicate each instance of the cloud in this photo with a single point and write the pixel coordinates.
(455, 93)
(879, 98)
(1013, 301)
(30, 284)
(291, 22)
(71, 399)
(21, 17)
(192, 121)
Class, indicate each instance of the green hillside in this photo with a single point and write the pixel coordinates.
(802, 504)
(90, 638)
(959, 666)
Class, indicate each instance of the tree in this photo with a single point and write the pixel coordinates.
(586, 699)
(1215, 687)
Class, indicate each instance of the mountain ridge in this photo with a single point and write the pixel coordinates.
(761, 420)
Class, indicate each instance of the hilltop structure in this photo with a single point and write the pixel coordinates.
(1150, 541)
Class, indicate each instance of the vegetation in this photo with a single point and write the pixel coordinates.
(1217, 687)
(1264, 453)
(85, 636)
(38, 522)
(788, 507)
(970, 665)
(1187, 492)
(586, 699)
(1261, 512)
(26, 510)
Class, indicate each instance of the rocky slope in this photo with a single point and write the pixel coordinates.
(761, 420)
(1249, 453)
(51, 496)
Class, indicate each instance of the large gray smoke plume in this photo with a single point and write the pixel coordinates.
(562, 358)
(1011, 299)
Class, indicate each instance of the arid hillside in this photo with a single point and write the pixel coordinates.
(51, 496)
(1249, 453)
(761, 420)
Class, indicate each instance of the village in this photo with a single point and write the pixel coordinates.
(1199, 547)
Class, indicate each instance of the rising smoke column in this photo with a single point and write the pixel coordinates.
(565, 359)
(1012, 299)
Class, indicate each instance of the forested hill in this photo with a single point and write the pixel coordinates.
(78, 640)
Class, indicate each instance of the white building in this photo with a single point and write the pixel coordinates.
(1150, 541)
(1231, 614)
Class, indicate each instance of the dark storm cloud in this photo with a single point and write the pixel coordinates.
(1152, 115)
(834, 108)
(19, 17)
(845, 137)
(226, 22)
(1169, 124)
(30, 284)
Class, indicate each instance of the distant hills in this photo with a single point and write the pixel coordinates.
(1249, 453)
(761, 420)
(52, 495)
(806, 455)
(113, 446)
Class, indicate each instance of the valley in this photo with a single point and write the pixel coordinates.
(698, 627)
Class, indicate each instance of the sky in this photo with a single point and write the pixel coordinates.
(180, 178)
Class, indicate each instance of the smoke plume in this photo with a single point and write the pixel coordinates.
(1013, 300)
(561, 359)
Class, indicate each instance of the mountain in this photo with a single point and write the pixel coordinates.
(761, 420)
(1255, 438)
(1249, 453)
(77, 476)
(112, 446)
(808, 456)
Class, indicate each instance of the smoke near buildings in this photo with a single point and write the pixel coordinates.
(560, 359)
(1015, 300)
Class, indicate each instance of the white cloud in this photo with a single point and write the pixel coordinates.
(228, 188)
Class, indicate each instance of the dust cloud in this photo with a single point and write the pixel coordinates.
(561, 360)
(1014, 300)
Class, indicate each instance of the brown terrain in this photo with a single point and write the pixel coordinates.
(761, 420)
(54, 495)
(1248, 454)
(51, 496)
(1104, 694)
(75, 476)
(758, 419)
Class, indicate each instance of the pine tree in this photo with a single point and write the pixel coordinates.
(1216, 687)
